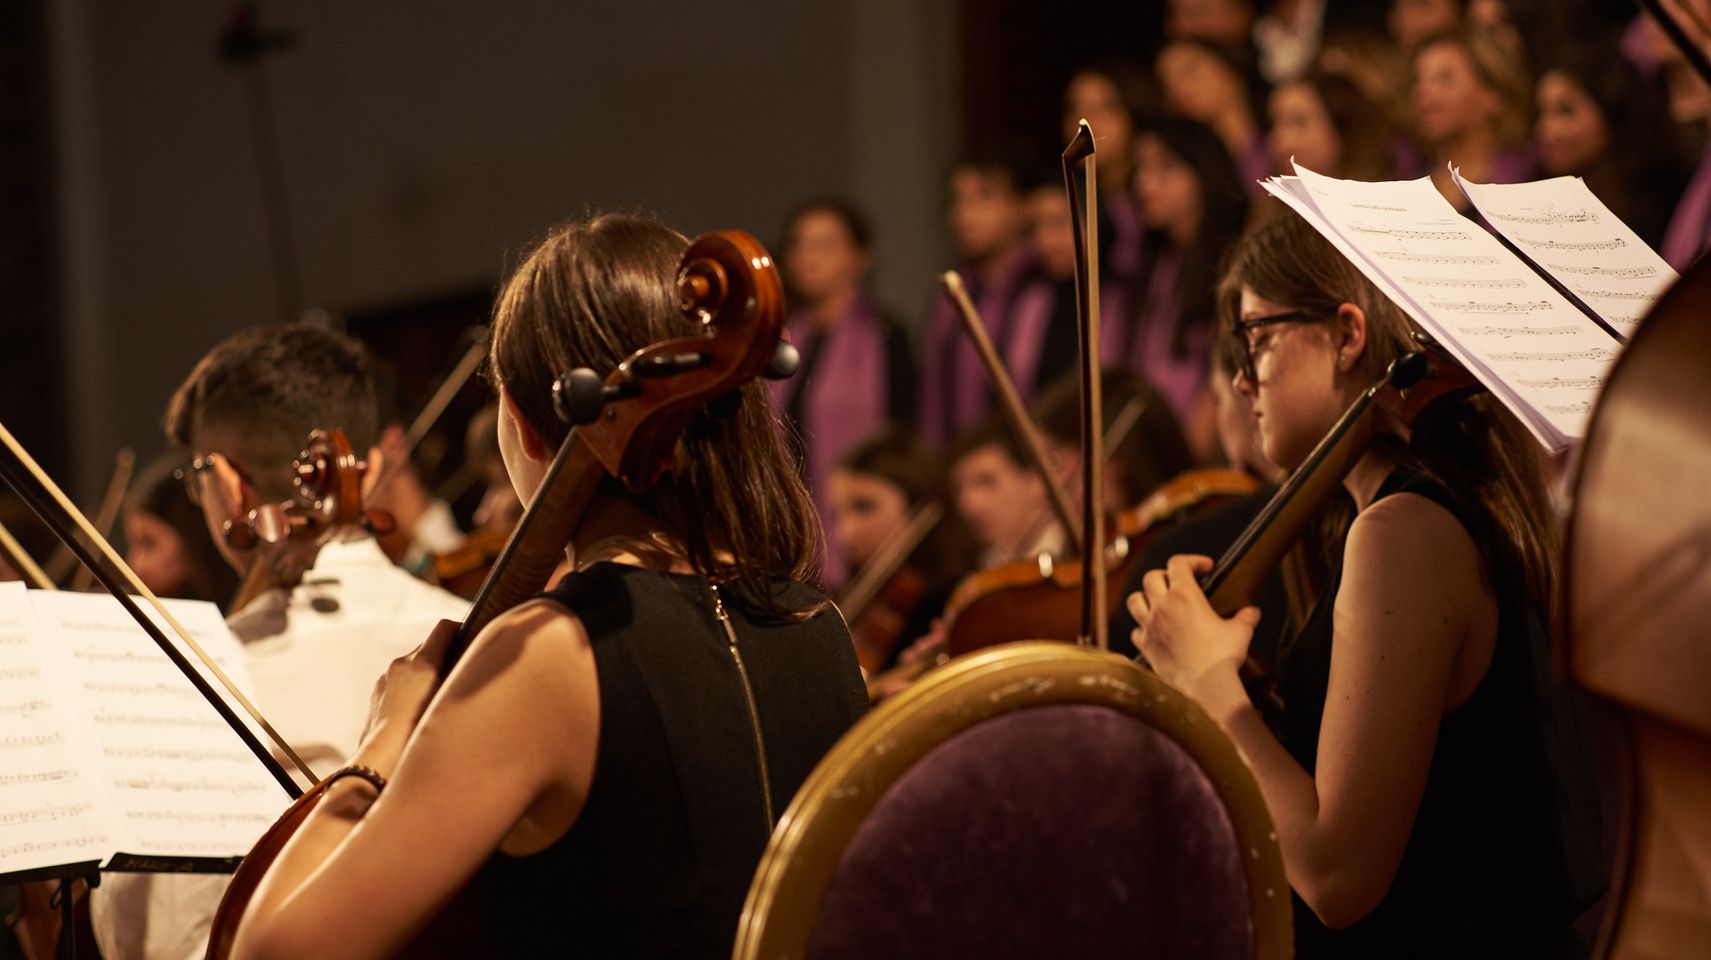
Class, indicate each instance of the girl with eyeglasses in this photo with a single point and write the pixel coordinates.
(1409, 782)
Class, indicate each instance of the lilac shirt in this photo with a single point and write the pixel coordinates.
(845, 400)
(955, 394)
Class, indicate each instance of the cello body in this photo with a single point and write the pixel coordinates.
(1637, 601)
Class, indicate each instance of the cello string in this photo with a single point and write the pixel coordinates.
(136, 585)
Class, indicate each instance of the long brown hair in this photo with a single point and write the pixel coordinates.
(1476, 448)
(595, 291)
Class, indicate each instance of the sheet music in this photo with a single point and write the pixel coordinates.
(49, 808)
(1536, 352)
(181, 781)
(1568, 232)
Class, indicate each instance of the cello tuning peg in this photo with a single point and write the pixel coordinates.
(578, 396)
(785, 359)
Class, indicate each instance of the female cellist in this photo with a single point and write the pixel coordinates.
(1410, 789)
(611, 756)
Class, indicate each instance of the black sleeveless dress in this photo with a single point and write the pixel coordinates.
(660, 859)
(1483, 873)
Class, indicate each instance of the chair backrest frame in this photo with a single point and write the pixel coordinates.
(809, 842)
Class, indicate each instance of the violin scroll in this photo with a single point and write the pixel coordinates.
(327, 480)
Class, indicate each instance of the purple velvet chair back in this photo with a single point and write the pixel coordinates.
(1029, 800)
(1066, 830)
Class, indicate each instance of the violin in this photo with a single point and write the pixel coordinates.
(883, 598)
(1632, 630)
(1042, 597)
(327, 479)
(625, 425)
(463, 568)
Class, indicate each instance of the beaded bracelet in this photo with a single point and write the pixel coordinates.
(358, 770)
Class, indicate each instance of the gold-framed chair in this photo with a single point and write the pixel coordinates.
(1030, 799)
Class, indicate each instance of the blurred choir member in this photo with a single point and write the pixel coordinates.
(1150, 451)
(1598, 121)
(1326, 124)
(988, 221)
(857, 373)
(167, 540)
(1689, 233)
(1472, 105)
(1412, 21)
(1113, 96)
(1227, 23)
(1194, 208)
(1043, 340)
(1204, 83)
(875, 492)
(1001, 497)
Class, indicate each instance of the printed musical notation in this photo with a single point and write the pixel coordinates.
(192, 785)
(1637, 295)
(1575, 407)
(1596, 353)
(1509, 332)
(1469, 283)
(1599, 270)
(1482, 306)
(1450, 259)
(47, 814)
(1562, 383)
(1545, 218)
(174, 753)
(27, 847)
(1614, 243)
(1408, 233)
(26, 741)
(37, 776)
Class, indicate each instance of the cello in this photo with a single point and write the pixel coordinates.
(1635, 601)
(625, 425)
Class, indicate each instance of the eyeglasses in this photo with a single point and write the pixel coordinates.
(191, 474)
(1245, 347)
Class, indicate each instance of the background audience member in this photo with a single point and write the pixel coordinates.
(1194, 207)
(989, 227)
(1598, 121)
(1327, 125)
(1202, 82)
(1113, 96)
(857, 373)
(1472, 104)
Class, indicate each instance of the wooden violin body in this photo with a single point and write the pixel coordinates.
(1637, 601)
(1041, 599)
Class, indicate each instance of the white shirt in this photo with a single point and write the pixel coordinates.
(313, 657)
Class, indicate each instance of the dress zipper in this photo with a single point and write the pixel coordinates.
(754, 709)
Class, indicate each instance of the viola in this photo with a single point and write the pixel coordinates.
(625, 425)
